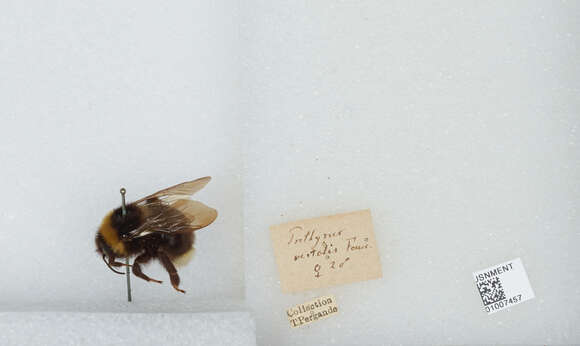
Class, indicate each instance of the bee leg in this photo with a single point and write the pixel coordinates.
(168, 265)
(118, 264)
(109, 265)
(142, 259)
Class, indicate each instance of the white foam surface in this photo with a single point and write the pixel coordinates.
(457, 124)
(96, 96)
(58, 328)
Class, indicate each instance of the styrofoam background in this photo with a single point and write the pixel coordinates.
(78, 328)
(456, 123)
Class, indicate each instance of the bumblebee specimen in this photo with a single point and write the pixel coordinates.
(158, 226)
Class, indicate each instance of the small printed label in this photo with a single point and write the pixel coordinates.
(312, 311)
(326, 251)
(503, 285)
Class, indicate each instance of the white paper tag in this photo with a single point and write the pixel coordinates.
(503, 285)
(326, 251)
(312, 311)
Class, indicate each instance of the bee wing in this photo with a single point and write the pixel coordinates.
(179, 191)
(184, 215)
(160, 219)
(199, 214)
(170, 211)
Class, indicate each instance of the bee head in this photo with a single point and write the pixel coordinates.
(108, 239)
(102, 247)
(105, 251)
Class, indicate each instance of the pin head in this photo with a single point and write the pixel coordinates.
(123, 206)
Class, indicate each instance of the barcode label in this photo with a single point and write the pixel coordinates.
(503, 285)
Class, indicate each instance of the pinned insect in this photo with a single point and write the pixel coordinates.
(160, 226)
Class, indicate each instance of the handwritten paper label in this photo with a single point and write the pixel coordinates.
(312, 311)
(503, 285)
(326, 251)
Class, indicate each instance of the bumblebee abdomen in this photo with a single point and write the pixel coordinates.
(176, 245)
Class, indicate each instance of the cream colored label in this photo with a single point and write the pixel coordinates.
(312, 311)
(326, 251)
